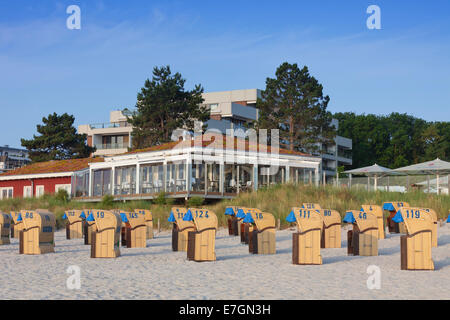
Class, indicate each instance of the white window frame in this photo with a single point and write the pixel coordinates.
(67, 187)
(38, 189)
(28, 191)
(7, 189)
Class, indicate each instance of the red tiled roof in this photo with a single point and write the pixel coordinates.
(210, 141)
(54, 166)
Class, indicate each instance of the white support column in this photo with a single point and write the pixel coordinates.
(188, 175)
(138, 178)
(222, 177)
(164, 175)
(288, 174)
(317, 177)
(238, 186)
(206, 178)
(113, 180)
(91, 181)
(255, 177)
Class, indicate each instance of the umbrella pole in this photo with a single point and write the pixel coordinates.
(428, 183)
(376, 183)
(437, 183)
(368, 183)
(388, 185)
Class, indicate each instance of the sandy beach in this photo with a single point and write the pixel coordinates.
(156, 272)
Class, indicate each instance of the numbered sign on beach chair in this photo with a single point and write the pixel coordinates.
(231, 212)
(378, 212)
(415, 246)
(331, 231)
(148, 221)
(88, 226)
(135, 229)
(38, 232)
(5, 228)
(306, 242)
(261, 240)
(16, 226)
(106, 236)
(202, 241)
(74, 224)
(363, 239)
(245, 228)
(180, 229)
(315, 206)
(393, 207)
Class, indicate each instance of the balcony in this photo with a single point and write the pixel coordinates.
(109, 125)
(111, 146)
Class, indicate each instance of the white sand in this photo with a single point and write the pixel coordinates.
(158, 273)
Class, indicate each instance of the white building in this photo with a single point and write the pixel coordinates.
(209, 168)
(109, 138)
(229, 110)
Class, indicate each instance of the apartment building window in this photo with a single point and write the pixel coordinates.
(115, 142)
(214, 106)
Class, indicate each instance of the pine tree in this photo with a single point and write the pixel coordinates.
(163, 105)
(58, 140)
(294, 103)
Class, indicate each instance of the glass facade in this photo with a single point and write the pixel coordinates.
(205, 178)
(175, 177)
(302, 175)
(198, 177)
(152, 178)
(101, 183)
(238, 178)
(80, 184)
(125, 180)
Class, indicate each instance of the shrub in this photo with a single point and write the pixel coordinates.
(161, 199)
(107, 200)
(196, 201)
(62, 196)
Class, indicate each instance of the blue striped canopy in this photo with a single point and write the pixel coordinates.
(229, 211)
(90, 217)
(188, 216)
(240, 214)
(398, 217)
(349, 218)
(123, 216)
(248, 218)
(291, 217)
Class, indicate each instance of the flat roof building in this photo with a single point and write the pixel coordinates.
(209, 166)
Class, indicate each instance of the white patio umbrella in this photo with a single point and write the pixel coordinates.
(375, 171)
(435, 167)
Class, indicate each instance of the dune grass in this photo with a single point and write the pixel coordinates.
(277, 200)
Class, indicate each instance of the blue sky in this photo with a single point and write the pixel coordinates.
(223, 45)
